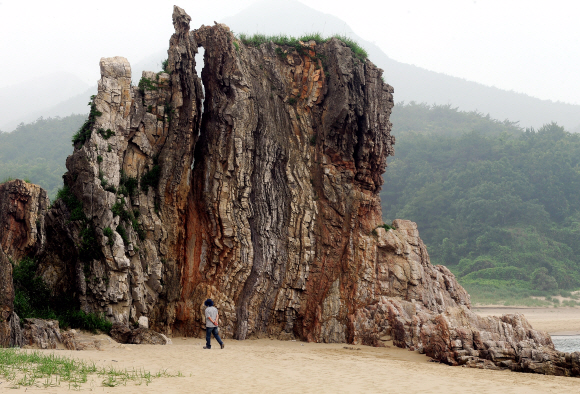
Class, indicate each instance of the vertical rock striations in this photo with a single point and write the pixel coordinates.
(293, 142)
(267, 203)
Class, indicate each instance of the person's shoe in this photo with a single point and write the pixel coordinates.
(222, 345)
(205, 347)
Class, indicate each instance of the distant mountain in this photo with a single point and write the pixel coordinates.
(73, 105)
(26, 101)
(50, 97)
(497, 205)
(37, 151)
(63, 94)
(411, 83)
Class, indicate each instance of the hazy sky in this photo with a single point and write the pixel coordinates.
(528, 46)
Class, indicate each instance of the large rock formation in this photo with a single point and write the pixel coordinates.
(267, 203)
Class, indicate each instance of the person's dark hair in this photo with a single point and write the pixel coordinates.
(208, 302)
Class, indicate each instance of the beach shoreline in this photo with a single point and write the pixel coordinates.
(556, 321)
(267, 365)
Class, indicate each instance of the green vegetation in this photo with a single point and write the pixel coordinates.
(127, 184)
(151, 177)
(74, 205)
(22, 368)
(38, 151)
(169, 111)
(164, 65)
(127, 217)
(106, 134)
(284, 40)
(118, 209)
(88, 248)
(123, 233)
(107, 232)
(496, 204)
(86, 129)
(281, 53)
(104, 182)
(32, 299)
(146, 84)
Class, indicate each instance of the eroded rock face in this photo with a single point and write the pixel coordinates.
(267, 203)
(6, 300)
(134, 234)
(285, 180)
(23, 207)
(278, 200)
(43, 334)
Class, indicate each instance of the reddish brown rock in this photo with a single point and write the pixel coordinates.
(285, 179)
(22, 210)
(6, 300)
(23, 207)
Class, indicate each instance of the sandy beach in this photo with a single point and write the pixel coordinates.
(260, 366)
(557, 321)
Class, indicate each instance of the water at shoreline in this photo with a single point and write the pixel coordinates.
(567, 343)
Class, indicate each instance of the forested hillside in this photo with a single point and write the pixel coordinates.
(498, 205)
(37, 151)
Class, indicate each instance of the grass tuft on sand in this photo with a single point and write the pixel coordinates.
(22, 368)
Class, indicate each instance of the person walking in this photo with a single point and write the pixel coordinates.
(211, 324)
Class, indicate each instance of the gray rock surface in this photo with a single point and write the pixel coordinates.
(125, 334)
(43, 334)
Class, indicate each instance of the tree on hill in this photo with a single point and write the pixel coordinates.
(37, 151)
(497, 204)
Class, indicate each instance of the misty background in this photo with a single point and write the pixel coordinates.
(514, 60)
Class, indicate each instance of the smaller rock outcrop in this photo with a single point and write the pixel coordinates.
(43, 334)
(22, 210)
(15, 331)
(46, 334)
(6, 300)
(422, 307)
(125, 334)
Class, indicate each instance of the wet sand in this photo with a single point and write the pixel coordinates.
(271, 366)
